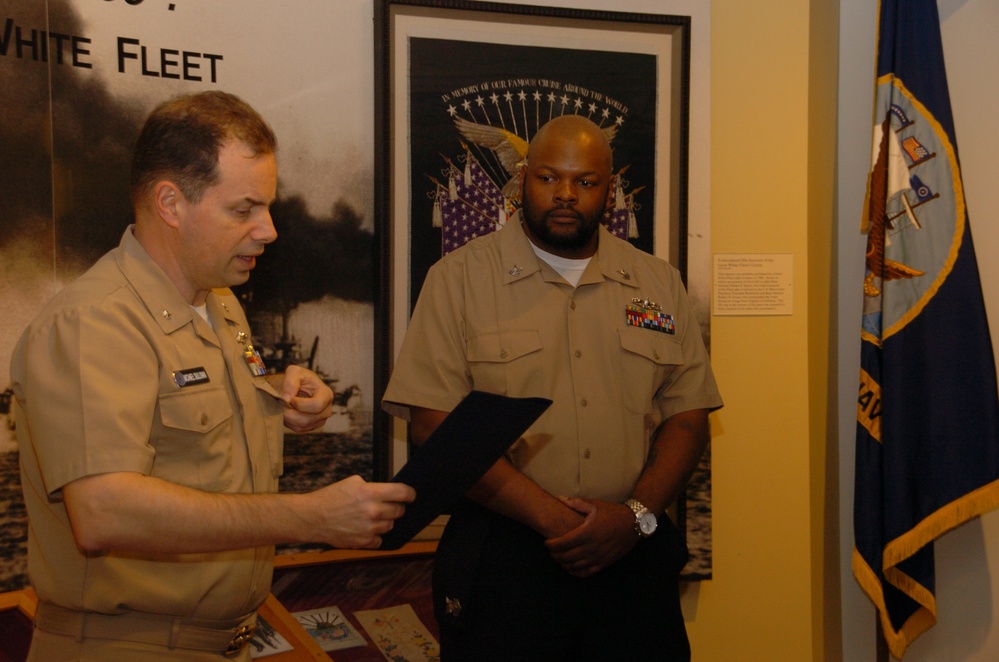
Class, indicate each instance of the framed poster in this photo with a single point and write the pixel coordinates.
(461, 87)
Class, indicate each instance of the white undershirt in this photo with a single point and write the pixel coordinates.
(571, 270)
(203, 311)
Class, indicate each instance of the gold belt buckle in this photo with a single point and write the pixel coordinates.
(240, 639)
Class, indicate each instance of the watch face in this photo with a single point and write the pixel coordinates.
(647, 523)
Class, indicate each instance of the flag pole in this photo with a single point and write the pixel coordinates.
(881, 644)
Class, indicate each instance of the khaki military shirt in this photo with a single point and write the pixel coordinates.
(118, 373)
(494, 317)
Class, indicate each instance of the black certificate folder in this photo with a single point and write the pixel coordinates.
(462, 448)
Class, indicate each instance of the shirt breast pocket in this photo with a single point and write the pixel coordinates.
(194, 445)
(507, 363)
(647, 360)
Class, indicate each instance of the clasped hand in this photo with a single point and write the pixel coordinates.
(606, 534)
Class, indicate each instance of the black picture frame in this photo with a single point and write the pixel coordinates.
(500, 30)
(447, 52)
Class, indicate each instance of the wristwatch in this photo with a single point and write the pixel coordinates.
(645, 521)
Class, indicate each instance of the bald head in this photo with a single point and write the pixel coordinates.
(566, 186)
(573, 130)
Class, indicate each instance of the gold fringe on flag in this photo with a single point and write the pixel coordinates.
(954, 514)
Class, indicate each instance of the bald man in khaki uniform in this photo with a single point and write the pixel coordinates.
(563, 550)
(151, 436)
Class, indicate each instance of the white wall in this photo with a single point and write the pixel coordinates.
(968, 558)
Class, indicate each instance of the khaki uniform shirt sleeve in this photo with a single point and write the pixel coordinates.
(85, 367)
(691, 385)
(432, 370)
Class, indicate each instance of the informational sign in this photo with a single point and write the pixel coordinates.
(753, 284)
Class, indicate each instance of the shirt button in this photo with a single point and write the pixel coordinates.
(583, 402)
(578, 353)
(572, 305)
(586, 454)
(204, 419)
(503, 354)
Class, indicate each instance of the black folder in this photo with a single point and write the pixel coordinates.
(462, 448)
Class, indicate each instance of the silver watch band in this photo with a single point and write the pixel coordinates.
(636, 506)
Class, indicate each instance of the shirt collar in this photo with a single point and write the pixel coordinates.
(611, 261)
(160, 296)
(518, 258)
(614, 260)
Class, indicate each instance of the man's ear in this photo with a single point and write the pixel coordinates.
(168, 200)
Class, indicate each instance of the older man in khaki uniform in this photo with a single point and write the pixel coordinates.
(150, 433)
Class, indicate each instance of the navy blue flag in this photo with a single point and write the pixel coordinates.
(928, 412)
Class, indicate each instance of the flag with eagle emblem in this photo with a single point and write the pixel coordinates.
(928, 413)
